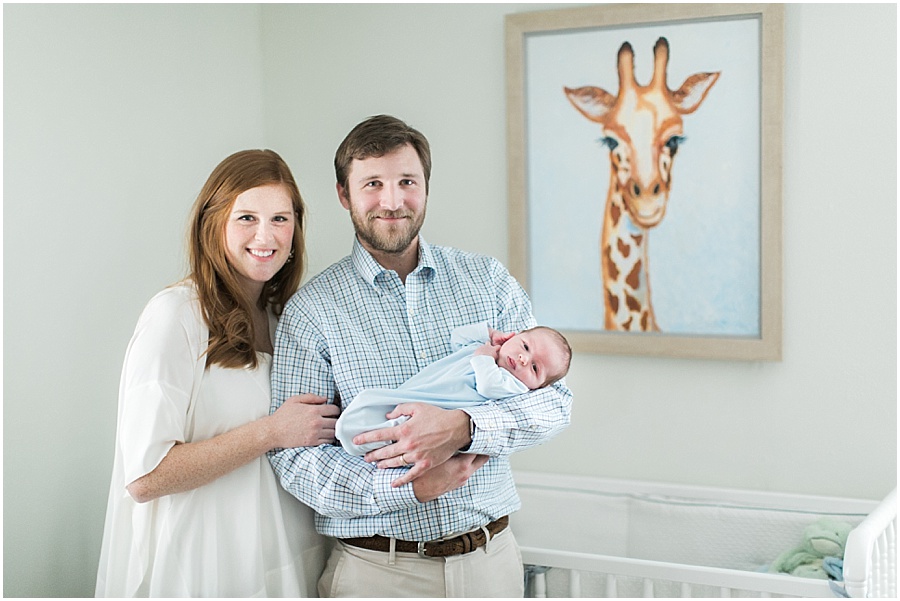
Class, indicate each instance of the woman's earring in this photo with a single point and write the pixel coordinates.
(291, 256)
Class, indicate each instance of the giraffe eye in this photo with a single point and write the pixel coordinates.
(673, 142)
(609, 142)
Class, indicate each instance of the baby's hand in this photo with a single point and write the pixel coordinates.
(488, 349)
(498, 338)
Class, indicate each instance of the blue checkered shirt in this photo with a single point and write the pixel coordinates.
(356, 326)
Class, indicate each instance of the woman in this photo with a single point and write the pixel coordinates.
(194, 507)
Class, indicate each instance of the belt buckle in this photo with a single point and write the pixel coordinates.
(421, 549)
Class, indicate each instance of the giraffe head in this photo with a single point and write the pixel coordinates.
(642, 127)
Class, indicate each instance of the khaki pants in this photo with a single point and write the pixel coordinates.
(494, 570)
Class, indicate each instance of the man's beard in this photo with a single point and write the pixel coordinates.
(393, 239)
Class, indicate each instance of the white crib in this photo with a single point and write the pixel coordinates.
(597, 537)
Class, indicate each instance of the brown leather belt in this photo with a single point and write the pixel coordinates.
(458, 545)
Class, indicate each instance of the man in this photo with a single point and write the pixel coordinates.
(372, 320)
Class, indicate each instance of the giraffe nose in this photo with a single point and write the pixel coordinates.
(656, 186)
(660, 186)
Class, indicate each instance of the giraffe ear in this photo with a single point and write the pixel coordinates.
(594, 103)
(693, 91)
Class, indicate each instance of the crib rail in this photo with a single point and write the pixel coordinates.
(652, 574)
(870, 558)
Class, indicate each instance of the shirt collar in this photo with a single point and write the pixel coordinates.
(427, 264)
(367, 267)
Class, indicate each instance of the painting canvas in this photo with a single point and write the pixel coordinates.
(643, 183)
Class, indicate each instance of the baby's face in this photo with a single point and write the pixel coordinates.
(531, 357)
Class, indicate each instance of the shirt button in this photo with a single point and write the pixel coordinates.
(422, 355)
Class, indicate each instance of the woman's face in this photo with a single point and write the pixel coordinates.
(259, 234)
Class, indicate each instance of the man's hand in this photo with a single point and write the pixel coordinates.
(448, 476)
(427, 439)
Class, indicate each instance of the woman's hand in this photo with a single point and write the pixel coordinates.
(305, 420)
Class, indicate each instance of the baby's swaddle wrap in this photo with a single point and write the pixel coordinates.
(459, 380)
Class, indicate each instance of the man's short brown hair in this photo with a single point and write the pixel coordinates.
(376, 137)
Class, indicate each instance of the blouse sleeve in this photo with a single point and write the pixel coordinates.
(158, 379)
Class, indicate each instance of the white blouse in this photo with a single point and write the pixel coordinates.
(241, 535)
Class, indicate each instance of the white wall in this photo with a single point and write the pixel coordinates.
(114, 115)
(439, 67)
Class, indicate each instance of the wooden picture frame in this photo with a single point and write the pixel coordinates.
(716, 273)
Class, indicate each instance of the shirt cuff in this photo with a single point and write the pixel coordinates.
(388, 498)
(489, 423)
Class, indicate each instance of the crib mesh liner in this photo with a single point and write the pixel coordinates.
(631, 587)
(662, 528)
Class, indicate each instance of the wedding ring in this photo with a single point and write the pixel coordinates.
(403, 459)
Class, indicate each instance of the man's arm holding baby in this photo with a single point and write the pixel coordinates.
(437, 434)
(325, 477)
(433, 435)
(430, 437)
(494, 428)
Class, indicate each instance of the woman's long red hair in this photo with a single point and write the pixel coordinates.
(225, 306)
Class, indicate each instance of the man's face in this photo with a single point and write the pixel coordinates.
(386, 199)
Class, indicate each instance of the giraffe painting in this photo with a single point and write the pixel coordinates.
(642, 127)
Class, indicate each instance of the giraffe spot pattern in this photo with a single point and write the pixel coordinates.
(611, 269)
(613, 301)
(634, 278)
(614, 213)
(632, 303)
